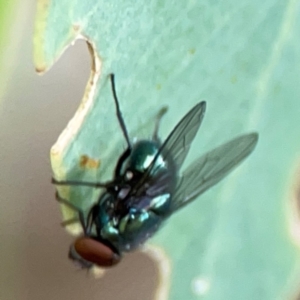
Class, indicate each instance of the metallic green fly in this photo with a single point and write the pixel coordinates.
(147, 188)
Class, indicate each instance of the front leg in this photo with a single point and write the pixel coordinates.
(121, 160)
(74, 208)
(81, 183)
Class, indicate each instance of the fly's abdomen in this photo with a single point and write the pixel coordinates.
(141, 221)
(136, 227)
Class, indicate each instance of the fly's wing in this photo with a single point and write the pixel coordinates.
(210, 168)
(177, 145)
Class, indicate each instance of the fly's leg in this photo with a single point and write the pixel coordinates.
(118, 111)
(159, 116)
(123, 156)
(74, 208)
(121, 160)
(92, 215)
(69, 222)
(81, 183)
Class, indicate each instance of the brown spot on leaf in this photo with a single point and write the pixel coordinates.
(233, 79)
(76, 27)
(40, 69)
(192, 51)
(89, 163)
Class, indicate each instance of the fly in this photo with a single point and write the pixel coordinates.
(147, 188)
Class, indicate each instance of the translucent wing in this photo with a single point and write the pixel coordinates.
(178, 143)
(210, 168)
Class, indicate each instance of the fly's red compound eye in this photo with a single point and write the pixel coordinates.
(95, 252)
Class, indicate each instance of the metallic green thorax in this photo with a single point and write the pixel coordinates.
(142, 156)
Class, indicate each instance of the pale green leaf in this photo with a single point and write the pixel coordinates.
(243, 59)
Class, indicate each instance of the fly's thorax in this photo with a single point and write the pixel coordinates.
(131, 210)
(127, 229)
(142, 154)
(107, 215)
(109, 208)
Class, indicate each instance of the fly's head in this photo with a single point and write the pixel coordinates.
(87, 251)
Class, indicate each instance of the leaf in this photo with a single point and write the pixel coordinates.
(5, 14)
(6, 10)
(242, 58)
